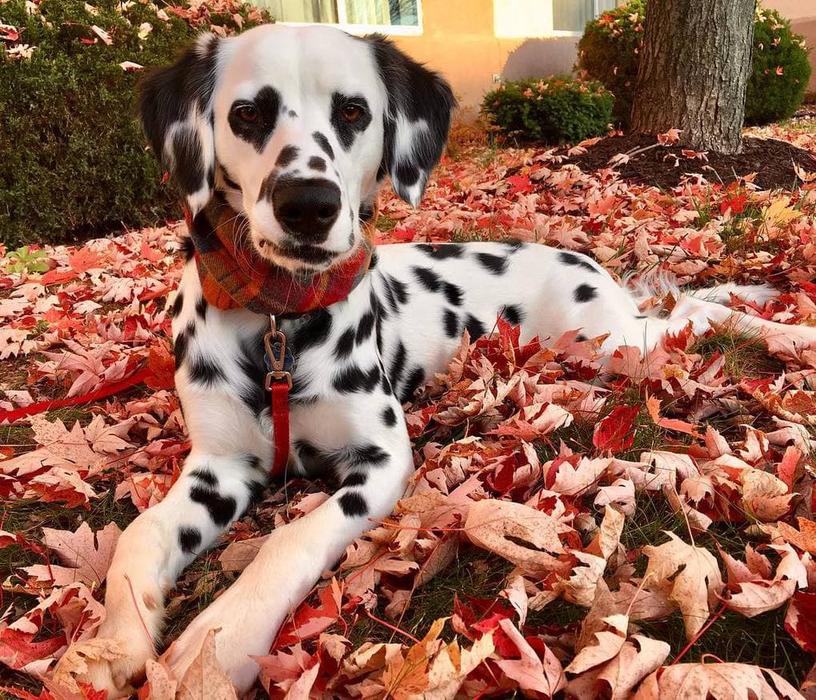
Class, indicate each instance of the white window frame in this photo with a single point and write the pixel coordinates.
(578, 33)
(555, 33)
(390, 29)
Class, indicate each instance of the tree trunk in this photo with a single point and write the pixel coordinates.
(694, 67)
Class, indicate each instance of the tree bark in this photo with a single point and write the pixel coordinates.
(694, 68)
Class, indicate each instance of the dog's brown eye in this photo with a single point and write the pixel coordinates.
(247, 113)
(351, 113)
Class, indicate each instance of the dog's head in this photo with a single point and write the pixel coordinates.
(297, 126)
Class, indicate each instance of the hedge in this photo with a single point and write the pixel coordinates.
(73, 152)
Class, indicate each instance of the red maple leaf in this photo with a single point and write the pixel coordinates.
(614, 433)
(18, 648)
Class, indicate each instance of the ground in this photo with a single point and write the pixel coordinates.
(558, 537)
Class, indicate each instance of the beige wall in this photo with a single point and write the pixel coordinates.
(458, 40)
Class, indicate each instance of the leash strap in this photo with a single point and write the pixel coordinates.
(278, 383)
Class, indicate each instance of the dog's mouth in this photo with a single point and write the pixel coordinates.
(310, 254)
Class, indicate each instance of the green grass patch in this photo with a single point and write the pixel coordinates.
(744, 353)
(761, 640)
(473, 572)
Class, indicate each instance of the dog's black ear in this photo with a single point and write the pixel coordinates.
(417, 119)
(176, 110)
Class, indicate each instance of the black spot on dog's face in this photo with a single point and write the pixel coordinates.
(255, 120)
(317, 163)
(585, 292)
(323, 142)
(350, 116)
(287, 156)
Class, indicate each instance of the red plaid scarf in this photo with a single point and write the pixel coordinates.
(234, 276)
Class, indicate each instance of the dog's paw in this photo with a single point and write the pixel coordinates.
(244, 628)
(116, 676)
(131, 629)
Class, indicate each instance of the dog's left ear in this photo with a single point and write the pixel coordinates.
(417, 119)
(176, 110)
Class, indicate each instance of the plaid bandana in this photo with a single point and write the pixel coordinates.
(234, 276)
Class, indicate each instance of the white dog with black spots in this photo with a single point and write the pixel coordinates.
(296, 128)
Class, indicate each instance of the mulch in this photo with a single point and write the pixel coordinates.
(650, 163)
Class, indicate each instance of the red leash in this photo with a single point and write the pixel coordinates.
(278, 383)
(102, 393)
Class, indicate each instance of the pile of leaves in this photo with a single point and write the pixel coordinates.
(561, 536)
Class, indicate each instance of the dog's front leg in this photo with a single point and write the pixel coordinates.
(249, 614)
(225, 470)
(209, 495)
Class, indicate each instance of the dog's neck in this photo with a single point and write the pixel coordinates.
(233, 275)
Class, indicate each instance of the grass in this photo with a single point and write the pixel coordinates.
(472, 573)
(744, 353)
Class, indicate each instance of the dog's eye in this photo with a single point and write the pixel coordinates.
(247, 113)
(351, 112)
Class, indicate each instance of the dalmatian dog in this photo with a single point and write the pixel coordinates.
(336, 114)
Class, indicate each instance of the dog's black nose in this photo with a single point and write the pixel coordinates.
(306, 208)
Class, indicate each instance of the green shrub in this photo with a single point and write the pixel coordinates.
(610, 48)
(555, 110)
(608, 51)
(780, 70)
(72, 151)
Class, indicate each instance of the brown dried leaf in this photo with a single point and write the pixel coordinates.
(90, 553)
(205, 679)
(490, 524)
(688, 575)
(74, 662)
(719, 681)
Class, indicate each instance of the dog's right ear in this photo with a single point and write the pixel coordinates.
(176, 108)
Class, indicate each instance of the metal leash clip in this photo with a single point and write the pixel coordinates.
(275, 345)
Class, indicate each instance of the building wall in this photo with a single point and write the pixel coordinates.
(460, 42)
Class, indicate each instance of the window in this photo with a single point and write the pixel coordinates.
(389, 16)
(572, 15)
(531, 18)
